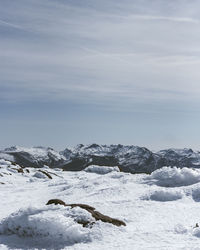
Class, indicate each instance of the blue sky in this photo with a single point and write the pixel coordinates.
(106, 71)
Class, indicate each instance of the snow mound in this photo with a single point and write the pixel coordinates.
(180, 229)
(164, 195)
(55, 224)
(196, 232)
(4, 163)
(40, 175)
(190, 230)
(101, 169)
(196, 194)
(174, 177)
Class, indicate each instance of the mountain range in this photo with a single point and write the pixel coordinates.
(132, 159)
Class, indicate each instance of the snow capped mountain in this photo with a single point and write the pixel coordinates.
(181, 157)
(131, 159)
(34, 156)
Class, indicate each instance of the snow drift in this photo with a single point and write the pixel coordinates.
(101, 169)
(57, 224)
(174, 177)
(164, 195)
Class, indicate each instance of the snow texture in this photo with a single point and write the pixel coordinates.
(40, 175)
(164, 195)
(52, 223)
(101, 169)
(161, 210)
(174, 177)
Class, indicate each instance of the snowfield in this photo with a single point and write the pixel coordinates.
(161, 210)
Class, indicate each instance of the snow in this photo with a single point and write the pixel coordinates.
(36, 152)
(101, 169)
(174, 177)
(160, 210)
(131, 158)
(4, 162)
(164, 195)
(53, 223)
(40, 175)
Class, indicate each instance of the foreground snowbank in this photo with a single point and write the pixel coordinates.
(174, 177)
(53, 223)
(150, 222)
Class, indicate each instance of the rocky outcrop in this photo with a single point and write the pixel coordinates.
(46, 173)
(95, 214)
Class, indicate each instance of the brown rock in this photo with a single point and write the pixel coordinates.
(19, 170)
(47, 174)
(56, 202)
(95, 214)
(98, 216)
(83, 206)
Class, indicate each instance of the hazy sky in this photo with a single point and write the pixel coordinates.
(104, 71)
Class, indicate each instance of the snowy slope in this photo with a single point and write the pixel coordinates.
(160, 210)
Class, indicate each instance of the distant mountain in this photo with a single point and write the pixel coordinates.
(131, 159)
(180, 157)
(35, 156)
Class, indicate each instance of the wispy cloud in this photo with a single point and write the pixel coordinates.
(165, 18)
(109, 52)
(3, 23)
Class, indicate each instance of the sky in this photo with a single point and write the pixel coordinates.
(107, 72)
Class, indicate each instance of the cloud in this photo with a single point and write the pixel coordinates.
(165, 18)
(125, 54)
(3, 23)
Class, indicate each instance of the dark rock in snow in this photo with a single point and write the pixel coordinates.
(19, 170)
(95, 214)
(56, 202)
(47, 174)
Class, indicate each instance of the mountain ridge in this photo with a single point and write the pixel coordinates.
(128, 158)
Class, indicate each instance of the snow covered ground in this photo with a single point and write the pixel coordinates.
(160, 210)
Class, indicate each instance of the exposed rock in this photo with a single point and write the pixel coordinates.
(19, 170)
(47, 174)
(95, 214)
(98, 216)
(83, 206)
(56, 202)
